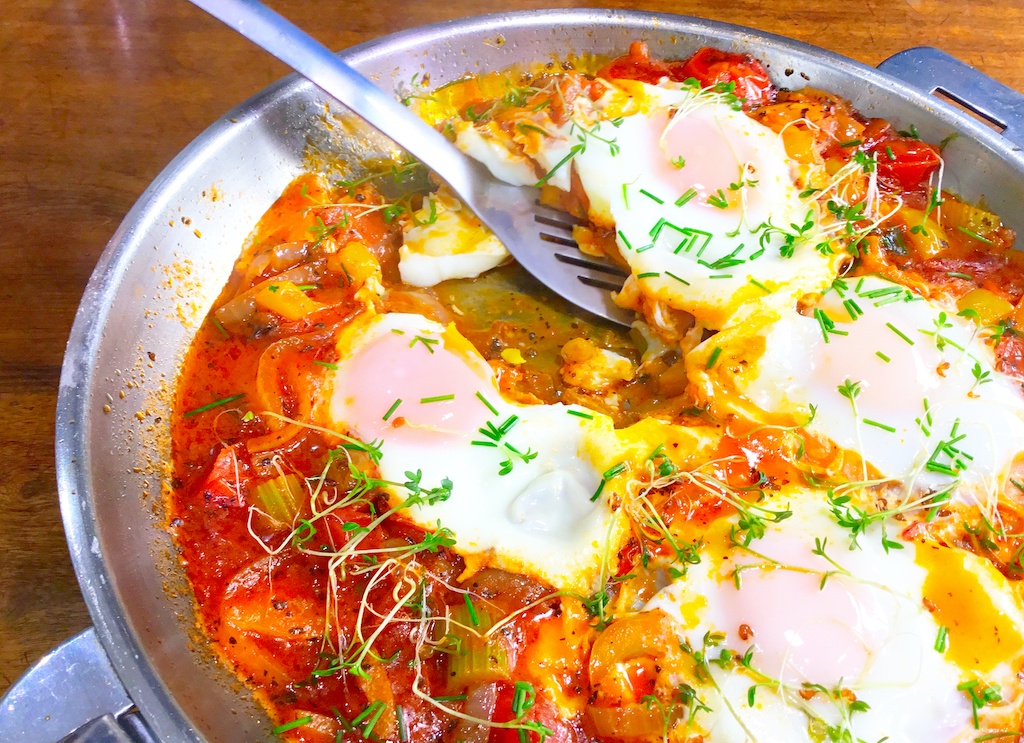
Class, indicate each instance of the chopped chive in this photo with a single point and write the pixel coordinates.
(927, 413)
(439, 398)
(890, 300)
(852, 308)
(689, 194)
(851, 143)
(220, 328)
(307, 287)
(890, 153)
(958, 275)
(941, 640)
(974, 235)
(651, 196)
(691, 236)
(429, 343)
(547, 176)
(372, 722)
(393, 408)
(876, 424)
(761, 286)
(648, 274)
(882, 356)
(486, 402)
(296, 723)
(645, 247)
(828, 327)
(942, 469)
(677, 278)
(625, 241)
(597, 493)
(473, 618)
(326, 364)
(214, 404)
(720, 276)
(505, 427)
(451, 698)
(403, 731)
(625, 195)
(523, 127)
(897, 331)
(580, 414)
(718, 200)
(613, 472)
(484, 443)
(714, 357)
(883, 292)
(724, 262)
(369, 710)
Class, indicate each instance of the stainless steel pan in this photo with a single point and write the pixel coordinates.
(170, 256)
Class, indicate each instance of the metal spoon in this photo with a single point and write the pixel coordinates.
(540, 238)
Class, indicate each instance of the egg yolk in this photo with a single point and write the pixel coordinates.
(959, 590)
(435, 388)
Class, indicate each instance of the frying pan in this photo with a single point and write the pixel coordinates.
(142, 673)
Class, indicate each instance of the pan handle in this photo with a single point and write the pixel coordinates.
(931, 70)
(72, 695)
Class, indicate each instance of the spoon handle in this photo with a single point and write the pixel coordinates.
(307, 56)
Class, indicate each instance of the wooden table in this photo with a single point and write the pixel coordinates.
(98, 95)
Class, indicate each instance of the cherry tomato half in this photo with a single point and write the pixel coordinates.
(707, 65)
(907, 162)
(637, 65)
(712, 66)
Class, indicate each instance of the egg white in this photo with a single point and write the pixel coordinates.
(931, 411)
(447, 242)
(541, 517)
(854, 619)
(701, 197)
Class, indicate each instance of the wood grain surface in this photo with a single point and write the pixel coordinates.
(98, 96)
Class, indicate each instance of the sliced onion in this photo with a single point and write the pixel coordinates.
(238, 311)
(256, 267)
(287, 255)
(417, 302)
(274, 374)
(628, 721)
(507, 591)
(480, 703)
(648, 634)
(235, 314)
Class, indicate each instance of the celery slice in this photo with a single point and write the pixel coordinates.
(280, 498)
(478, 660)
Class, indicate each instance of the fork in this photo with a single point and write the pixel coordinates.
(538, 237)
